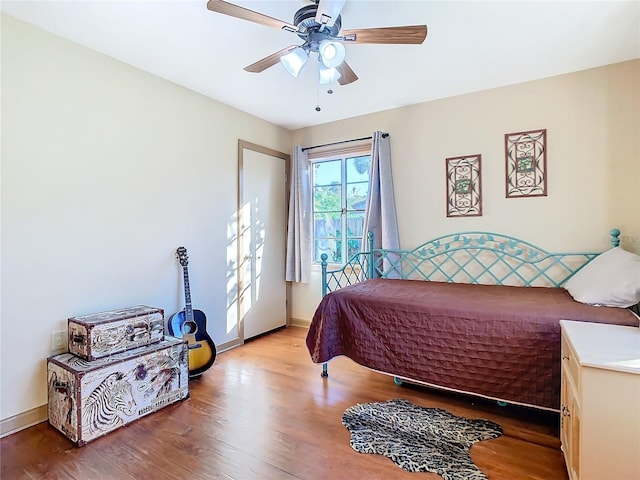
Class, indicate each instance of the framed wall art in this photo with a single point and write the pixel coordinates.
(526, 163)
(464, 189)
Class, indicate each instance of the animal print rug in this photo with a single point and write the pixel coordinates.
(419, 439)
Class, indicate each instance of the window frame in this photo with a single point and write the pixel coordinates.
(335, 154)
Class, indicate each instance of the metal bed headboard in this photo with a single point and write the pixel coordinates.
(466, 257)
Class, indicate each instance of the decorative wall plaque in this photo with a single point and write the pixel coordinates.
(464, 189)
(526, 163)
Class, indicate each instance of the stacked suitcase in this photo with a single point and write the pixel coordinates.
(120, 367)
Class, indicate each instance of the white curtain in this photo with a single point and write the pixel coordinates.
(380, 215)
(299, 226)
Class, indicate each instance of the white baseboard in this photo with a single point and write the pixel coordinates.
(236, 342)
(299, 322)
(23, 420)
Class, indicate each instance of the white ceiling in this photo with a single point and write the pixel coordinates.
(471, 46)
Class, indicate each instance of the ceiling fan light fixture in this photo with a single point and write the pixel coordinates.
(319, 24)
(331, 53)
(294, 60)
(327, 74)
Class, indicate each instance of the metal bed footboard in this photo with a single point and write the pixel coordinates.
(358, 268)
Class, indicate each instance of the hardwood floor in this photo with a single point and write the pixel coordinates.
(263, 412)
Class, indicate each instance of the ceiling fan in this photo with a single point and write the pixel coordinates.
(319, 25)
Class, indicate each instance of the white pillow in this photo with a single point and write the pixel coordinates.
(611, 279)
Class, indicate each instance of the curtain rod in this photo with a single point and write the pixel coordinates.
(384, 135)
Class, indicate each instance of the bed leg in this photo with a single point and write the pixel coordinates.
(502, 404)
(397, 381)
(324, 373)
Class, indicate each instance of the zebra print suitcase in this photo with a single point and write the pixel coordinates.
(90, 399)
(100, 334)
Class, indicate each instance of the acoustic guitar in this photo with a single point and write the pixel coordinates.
(191, 325)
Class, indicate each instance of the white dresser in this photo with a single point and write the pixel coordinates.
(600, 401)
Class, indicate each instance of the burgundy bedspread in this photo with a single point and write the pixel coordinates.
(497, 341)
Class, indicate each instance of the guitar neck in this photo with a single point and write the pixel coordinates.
(188, 309)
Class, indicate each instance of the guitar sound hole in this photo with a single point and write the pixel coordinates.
(189, 328)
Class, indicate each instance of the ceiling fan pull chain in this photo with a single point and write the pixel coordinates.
(318, 99)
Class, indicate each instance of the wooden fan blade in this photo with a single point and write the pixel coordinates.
(328, 11)
(232, 10)
(270, 61)
(347, 75)
(406, 35)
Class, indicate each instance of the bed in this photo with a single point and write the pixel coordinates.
(473, 312)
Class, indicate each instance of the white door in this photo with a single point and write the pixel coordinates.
(262, 290)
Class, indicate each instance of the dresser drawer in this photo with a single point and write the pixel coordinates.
(570, 362)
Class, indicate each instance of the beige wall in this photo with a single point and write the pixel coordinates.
(593, 130)
(106, 170)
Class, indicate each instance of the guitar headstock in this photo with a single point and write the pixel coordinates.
(181, 252)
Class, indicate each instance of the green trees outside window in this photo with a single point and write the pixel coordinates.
(340, 190)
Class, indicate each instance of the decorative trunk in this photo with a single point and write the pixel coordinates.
(101, 334)
(90, 399)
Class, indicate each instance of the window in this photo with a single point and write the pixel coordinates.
(339, 195)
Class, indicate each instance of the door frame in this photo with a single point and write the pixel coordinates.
(242, 146)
